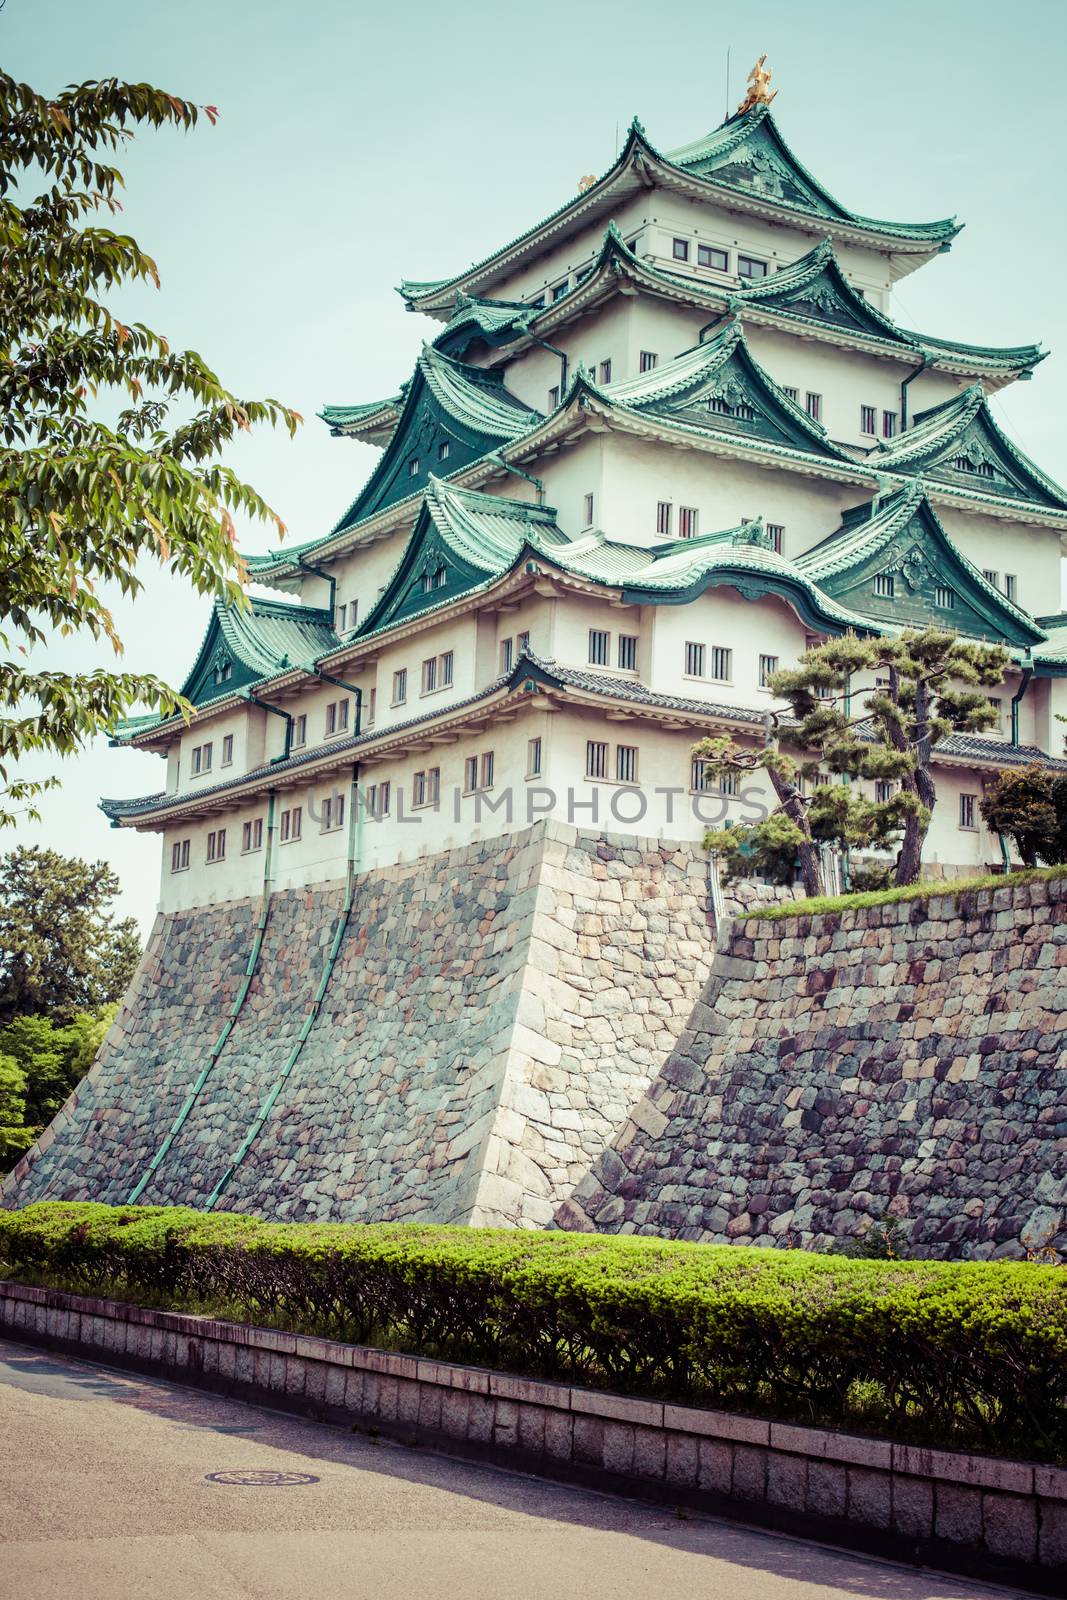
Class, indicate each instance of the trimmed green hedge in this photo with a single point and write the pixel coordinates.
(927, 889)
(970, 1353)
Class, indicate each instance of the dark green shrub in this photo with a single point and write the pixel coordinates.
(953, 1352)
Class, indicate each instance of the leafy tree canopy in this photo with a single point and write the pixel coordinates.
(62, 951)
(95, 471)
(864, 709)
(1030, 806)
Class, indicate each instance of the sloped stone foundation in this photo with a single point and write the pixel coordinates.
(905, 1060)
(493, 1015)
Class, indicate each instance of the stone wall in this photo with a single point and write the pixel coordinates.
(1002, 1520)
(907, 1060)
(493, 1015)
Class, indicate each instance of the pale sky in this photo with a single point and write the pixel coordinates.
(360, 143)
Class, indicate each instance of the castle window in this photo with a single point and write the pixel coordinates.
(300, 731)
(426, 787)
(776, 534)
(587, 511)
(488, 769)
(1011, 586)
(596, 758)
(507, 654)
(701, 776)
(426, 583)
(179, 855)
(291, 824)
(553, 397)
(883, 790)
(227, 750)
(695, 656)
(987, 573)
(599, 647)
(372, 706)
(688, 522)
(647, 360)
(445, 665)
(522, 643)
(223, 671)
(479, 772)
(628, 652)
(201, 759)
(681, 250)
(605, 371)
(983, 469)
(252, 836)
(868, 419)
(996, 704)
(768, 666)
(721, 664)
(663, 517)
(336, 717)
(533, 758)
(538, 302)
(333, 813)
(560, 289)
(884, 585)
(751, 267)
(216, 845)
(413, 467)
(400, 686)
(889, 424)
(377, 800)
(340, 618)
(944, 597)
(813, 406)
(440, 577)
(709, 255)
(968, 811)
(429, 675)
(626, 763)
(444, 450)
(792, 394)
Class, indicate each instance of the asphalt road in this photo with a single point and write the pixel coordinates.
(106, 1494)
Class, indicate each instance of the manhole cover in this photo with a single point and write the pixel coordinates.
(261, 1480)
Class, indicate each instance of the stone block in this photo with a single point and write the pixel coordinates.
(531, 1436)
(750, 1472)
(430, 1406)
(715, 1466)
(958, 1514)
(683, 1460)
(1052, 1538)
(505, 1422)
(869, 1497)
(826, 1492)
(1009, 1525)
(717, 1424)
(588, 1437)
(455, 1413)
(618, 1447)
(480, 1418)
(408, 1393)
(913, 1507)
(559, 1435)
(787, 1480)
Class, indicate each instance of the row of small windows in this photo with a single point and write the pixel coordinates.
(710, 255)
(869, 422)
(944, 596)
(202, 755)
(600, 649)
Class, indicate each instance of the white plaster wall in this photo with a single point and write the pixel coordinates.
(1031, 553)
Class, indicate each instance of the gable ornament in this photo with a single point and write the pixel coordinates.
(759, 91)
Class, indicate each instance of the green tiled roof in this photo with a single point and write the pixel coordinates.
(747, 151)
(902, 537)
(746, 156)
(353, 419)
(965, 428)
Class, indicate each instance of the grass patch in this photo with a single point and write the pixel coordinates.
(928, 889)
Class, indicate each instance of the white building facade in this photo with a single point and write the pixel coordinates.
(652, 450)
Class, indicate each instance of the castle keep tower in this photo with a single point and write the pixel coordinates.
(433, 903)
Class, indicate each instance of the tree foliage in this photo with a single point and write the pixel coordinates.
(922, 686)
(95, 471)
(62, 950)
(41, 1061)
(1030, 807)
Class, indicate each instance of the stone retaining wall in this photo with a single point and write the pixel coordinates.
(905, 1060)
(1000, 1519)
(493, 1015)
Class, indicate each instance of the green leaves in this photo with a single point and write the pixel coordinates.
(972, 1355)
(82, 500)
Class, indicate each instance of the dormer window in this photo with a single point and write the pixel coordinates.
(884, 585)
(413, 467)
(751, 267)
(444, 450)
(440, 577)
(944, 597)
(223, 671)
(560, 289)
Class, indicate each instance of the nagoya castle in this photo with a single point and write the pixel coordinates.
(434, 906)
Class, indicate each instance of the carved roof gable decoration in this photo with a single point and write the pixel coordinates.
(912, 563)
(728, 396)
